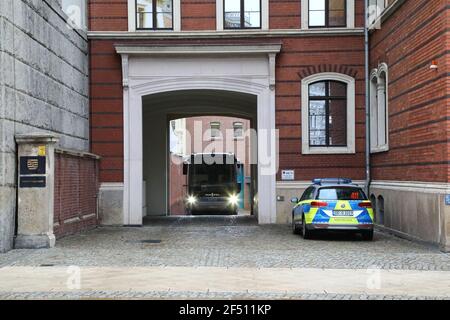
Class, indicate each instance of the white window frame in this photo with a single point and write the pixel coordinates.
(305, 15)
(351, 118)
(132, 17)
(264, 17)
(379, 109)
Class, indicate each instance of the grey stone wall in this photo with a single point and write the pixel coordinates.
(43, 88)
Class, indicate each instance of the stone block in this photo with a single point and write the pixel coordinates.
(7, 216)
(111, 205)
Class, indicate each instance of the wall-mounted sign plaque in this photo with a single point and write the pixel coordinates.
(32, 165)
(32, 182)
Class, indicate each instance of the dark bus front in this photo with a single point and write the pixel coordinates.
(213, 186)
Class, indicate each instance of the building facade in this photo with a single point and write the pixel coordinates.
(295, 69)
(409, 119)
(304, 64)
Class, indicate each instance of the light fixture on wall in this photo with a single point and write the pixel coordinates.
(434, 65)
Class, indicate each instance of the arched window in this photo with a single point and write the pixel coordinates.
(379, 111)
(380, 206)
(328, 114)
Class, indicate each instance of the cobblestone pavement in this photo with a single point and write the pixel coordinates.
(223, 242)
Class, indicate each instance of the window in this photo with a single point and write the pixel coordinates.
(327, 13)
(238, 129)
(379, 115)
(341, 193)
(242, 14)
(154, 14)
(327, 114)
(215, 130)
(308, 194)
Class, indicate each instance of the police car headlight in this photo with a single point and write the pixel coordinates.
(233, 199)
(191, 200)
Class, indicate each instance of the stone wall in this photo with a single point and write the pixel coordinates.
(43, 88)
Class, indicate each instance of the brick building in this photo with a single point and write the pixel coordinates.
(219, 134)
(295, 69)
(295, 66)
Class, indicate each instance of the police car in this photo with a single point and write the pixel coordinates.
(333, 204)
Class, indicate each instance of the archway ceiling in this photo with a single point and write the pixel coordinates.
(201, 102)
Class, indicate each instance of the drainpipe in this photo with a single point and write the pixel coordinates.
(366, 53)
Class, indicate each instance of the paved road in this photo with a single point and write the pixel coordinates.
(172, 247)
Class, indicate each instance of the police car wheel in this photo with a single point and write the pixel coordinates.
(367, 235)
(306, 233)
(295, 227)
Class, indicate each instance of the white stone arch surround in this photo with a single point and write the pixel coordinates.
(243, 69)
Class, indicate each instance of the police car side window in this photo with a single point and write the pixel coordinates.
(309, 193)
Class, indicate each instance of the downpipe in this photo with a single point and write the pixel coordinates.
(367, 107)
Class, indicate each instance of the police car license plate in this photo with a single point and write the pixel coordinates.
(343, 213)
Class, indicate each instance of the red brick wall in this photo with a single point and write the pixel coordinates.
(76, 190)
(112, 15)
(198, 15)
(108, 15)
(300, 57)
(408, 42)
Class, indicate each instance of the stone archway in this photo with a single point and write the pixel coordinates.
(151, 70)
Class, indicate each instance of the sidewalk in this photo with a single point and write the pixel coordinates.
(244, 282)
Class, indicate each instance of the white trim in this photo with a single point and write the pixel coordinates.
(379, 121)
(219, 15)
(132, 17)
(125, 50)
(412, 186)
(351, 118)
(111, 186)
(180, 79)
(164, 34)
(220, 12)
(305, 14)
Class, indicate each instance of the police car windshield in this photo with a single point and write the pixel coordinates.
(341, 193)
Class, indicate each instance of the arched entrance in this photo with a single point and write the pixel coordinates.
(239, 70)
(194, 107)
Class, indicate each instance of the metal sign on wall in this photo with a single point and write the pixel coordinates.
(32, 172)
(288, 175)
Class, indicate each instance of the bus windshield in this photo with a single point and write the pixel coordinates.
(215, 174)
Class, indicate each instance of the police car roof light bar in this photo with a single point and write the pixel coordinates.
(332, 181)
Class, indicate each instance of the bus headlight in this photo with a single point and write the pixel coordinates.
(191, 200)
(233, 199)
